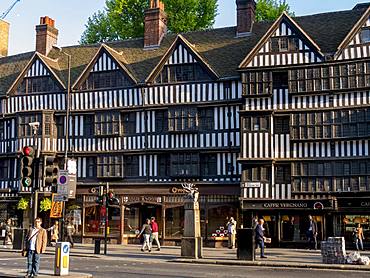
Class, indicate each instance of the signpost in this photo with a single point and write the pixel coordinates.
(62, 187)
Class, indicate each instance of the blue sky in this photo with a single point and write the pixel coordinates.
(71, 15)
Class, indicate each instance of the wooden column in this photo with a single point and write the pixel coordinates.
(122, 225)
(163, 223)
(83, 218)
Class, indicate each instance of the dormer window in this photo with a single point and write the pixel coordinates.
(106, 80)
(284, 44)
(365, 35)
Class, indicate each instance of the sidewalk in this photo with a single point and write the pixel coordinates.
(42, 274)
(277, 257)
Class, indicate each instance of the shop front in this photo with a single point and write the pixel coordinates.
(351, 213)
(287, 221)
(166, 205)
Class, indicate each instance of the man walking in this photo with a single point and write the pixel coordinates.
(154, 226)
(231, 230)
(312, 233)
(36, 241)
(260, 238)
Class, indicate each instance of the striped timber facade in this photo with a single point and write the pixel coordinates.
(303, 98)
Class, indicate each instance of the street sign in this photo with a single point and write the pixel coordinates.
(72, 178)
(63, 180)
(56, 206)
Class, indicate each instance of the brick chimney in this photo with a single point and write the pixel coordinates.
(46, 35)
(246, 15)
(4, 38)
(155, 24)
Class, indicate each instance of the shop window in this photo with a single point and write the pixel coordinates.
(106, 79)
(107, 123)
(218, 218)
(161, 121)
(174, 222)
(183, 119)
(109, 167)
(132, 220)
(349, 223)
(131, 165)
(185, 165)
(207, 119)
(208, 165)
(129, 123)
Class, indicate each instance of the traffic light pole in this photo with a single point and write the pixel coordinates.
(35, 183)
(106, 218)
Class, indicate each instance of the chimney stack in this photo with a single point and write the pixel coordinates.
(246, 16)
(4, 38)
(46, 35)
(155, 24)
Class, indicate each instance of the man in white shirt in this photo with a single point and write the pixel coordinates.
(36, 241)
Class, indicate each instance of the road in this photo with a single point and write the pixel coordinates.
(117, 267)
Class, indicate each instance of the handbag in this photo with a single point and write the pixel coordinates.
(24, 253)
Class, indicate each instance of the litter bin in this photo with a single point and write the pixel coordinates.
(18, 238)
(246, 244)
(97, 246)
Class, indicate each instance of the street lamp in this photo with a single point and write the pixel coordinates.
(67, 124)
(68, 104)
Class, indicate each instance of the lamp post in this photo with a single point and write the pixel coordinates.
(66, 145)
(67, 104)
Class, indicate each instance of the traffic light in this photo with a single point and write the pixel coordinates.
(51, 170)
(111, 199)
(100, 198)
(28, 154)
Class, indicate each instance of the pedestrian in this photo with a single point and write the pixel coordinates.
(146, 231)
(254, 222)
(312, 233)
(154, 226)
(260, 238)
(8, 232)
(359, 236)
(70, 232)
(35, 245)
(54, 232)
(231, 230)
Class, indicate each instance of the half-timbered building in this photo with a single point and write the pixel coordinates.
(269, 117)
(305, 125)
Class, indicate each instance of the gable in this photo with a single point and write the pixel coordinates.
(285, 44)
(358, 44)
(37, 69)
(104, 63)
(181, 56)
(37, 77)
(181, 63)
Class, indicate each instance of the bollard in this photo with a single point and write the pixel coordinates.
(97, 246)
(61, 262)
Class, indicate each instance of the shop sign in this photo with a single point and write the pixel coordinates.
(252, 184)
(289, 204)
(176, 190)
(286, 205)
(353, 203)
(142, 199)
(56, 207)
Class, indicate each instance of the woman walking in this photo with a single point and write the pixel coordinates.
(54, 232)
(146, 231)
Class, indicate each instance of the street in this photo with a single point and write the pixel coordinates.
(114, 266)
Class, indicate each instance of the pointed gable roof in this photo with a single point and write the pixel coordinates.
(308, 50)
(353, 39)
(106, 58)
(38, 65)
(181, 51)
